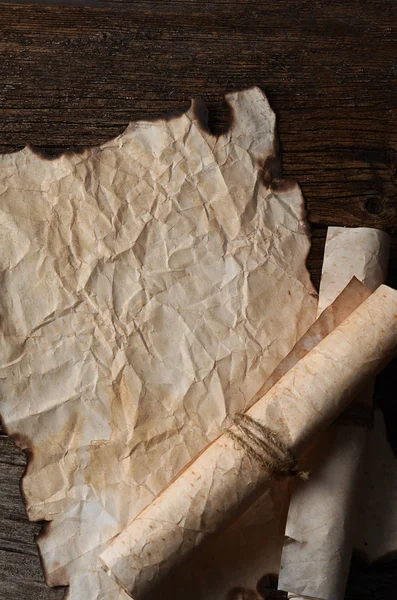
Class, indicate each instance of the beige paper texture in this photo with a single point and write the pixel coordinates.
(209, 491)
(320, 527)
(149, 287)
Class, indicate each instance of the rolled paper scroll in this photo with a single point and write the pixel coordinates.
(225, 477)
(320, 526)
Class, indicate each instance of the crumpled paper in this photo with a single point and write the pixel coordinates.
(149, 288)
(321, 519)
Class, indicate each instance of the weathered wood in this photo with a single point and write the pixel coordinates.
(21, 575)
(75, 76)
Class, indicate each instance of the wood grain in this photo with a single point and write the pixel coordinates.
(76, 75)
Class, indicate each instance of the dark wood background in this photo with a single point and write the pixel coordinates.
(76, 75)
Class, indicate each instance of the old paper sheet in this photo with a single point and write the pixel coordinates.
(320, 527)
(149, 287)
(224, 476)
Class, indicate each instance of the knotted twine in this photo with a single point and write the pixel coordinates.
(264, 446)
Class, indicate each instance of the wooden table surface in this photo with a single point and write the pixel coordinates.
(76, 75)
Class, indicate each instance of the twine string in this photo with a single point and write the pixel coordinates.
(264, 446)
